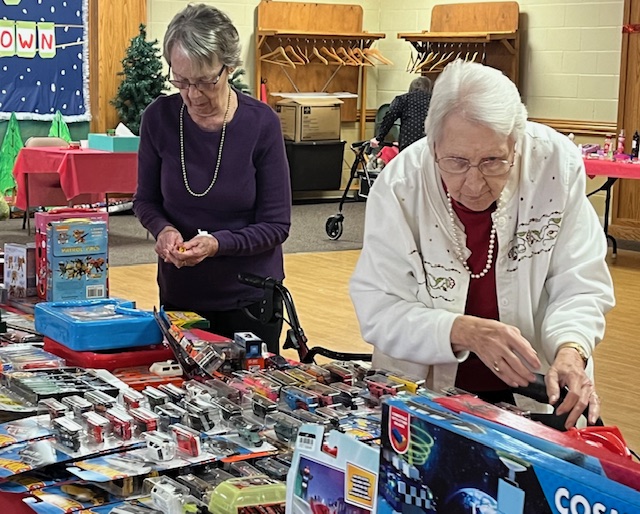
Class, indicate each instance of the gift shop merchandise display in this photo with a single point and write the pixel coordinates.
(226, 428)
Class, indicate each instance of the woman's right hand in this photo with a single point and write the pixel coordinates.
(168, 241)
(499, 346)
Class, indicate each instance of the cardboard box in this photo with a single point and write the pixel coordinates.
(310, 119)
(564, 445)
(77, 257)
(42, 219)
(20, 269)
(114, 143)
(434, 461)
(332, 469)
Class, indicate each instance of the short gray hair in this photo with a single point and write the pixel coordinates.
(480, 94)
(203, 32)
(421, 84)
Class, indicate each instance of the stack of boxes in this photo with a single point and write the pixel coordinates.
(311, 129)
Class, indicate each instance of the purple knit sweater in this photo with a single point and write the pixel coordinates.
(248, 209)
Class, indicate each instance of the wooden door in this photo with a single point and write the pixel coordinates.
(112, 25)
(626, 205)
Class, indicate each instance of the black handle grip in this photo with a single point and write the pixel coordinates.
(254, 280)
(537, 390)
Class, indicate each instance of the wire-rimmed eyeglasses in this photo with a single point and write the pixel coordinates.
(204, 85)
(489, 167)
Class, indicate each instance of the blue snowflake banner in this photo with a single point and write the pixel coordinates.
(44, 65)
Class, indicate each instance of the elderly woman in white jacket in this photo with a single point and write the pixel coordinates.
(483, 261)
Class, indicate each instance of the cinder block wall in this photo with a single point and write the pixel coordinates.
(570, 59)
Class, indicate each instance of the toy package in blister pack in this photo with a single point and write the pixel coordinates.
(198, 358)
(19, 357)
(248, 495)
(24, 430)
(423, 446)
(70, 498)
(27, 456)
(37, 479)
(594, 455)
(33, 386)
(332, 471)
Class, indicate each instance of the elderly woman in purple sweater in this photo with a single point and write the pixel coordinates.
(213, 180)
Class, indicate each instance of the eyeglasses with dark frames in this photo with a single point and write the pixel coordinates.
(204, 85)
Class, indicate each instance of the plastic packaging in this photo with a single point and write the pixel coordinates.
(621, 141)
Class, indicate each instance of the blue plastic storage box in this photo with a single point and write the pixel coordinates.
(88, 325)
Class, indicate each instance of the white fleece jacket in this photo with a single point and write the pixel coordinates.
(551, 277)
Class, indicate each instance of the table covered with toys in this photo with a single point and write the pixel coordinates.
(110, 409)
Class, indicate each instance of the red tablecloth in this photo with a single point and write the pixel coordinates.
(57, 175)
(611, 169)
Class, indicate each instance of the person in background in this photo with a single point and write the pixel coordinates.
(483, 260)
(411, 108)
(213, 180)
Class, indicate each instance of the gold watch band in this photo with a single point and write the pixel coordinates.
(578, 348)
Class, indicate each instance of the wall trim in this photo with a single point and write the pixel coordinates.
(578, 127)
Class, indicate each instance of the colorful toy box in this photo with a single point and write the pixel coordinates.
(339, 474)
(20, 269)
(434, 461)
(90, 325)
(567, 446)
(42, 219)
(77, 260)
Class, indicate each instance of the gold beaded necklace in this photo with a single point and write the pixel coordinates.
(182, 160)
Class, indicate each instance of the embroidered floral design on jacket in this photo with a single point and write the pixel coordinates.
(439, 283)
(536, 236)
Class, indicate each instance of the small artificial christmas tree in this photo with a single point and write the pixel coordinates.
(143, 80)
(59, 127)
(236, 80)
(11, 145)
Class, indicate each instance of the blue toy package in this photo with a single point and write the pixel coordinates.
(338, 474)
(77, 256)
(434, 461)
(90, 325)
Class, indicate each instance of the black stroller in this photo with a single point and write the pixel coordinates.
(364, 169)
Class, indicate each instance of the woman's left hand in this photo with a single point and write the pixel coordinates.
(568, 371)
(196, 250)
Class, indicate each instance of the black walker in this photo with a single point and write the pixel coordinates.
(359, 170)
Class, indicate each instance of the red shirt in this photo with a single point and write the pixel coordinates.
(482, 299)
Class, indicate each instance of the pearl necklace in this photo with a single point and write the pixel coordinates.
(182, 160)
(492, 239)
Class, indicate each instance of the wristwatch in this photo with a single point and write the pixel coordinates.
(578, 348)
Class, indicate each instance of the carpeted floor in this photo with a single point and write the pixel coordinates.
(128, 243)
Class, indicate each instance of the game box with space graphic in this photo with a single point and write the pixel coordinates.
(598, 449)
(331, 473)
(434, 461)
(77, 258)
